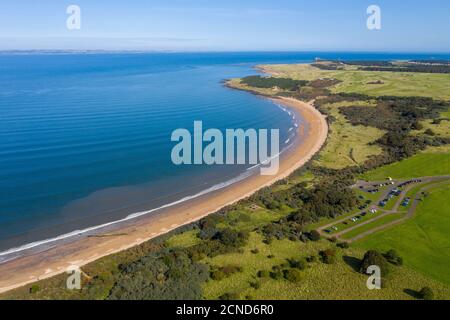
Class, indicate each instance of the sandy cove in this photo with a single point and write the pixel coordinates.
(34, 267)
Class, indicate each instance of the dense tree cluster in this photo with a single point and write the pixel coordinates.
(328, 66)
(327, 199)
(166, 275)
(417, 68)
(374, 258)
(272, 82)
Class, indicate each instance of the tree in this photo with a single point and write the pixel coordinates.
(314, 235)
(374, 258)
(393, 257)
(328, 256)
(426, 293)
(293, 275)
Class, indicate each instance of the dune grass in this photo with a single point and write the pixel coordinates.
(423, 240)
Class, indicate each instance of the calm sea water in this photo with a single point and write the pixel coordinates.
(85, 138)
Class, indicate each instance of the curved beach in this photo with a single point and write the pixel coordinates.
(56, 260)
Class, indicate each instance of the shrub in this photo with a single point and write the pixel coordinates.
(217, 275)
(343, 245)
(292, 275)
(314, 235)
(297, 264)
(276, 275)
(230, 296)
(263, 274)
(255, 285)
(426, 293)
(164, 275)
(34, 288)
(311, 259)
(374, 258)
(328, 256)
(393, 257)
(304, 238)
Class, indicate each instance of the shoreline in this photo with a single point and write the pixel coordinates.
(56, 260)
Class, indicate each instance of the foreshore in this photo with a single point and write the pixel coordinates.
(34, 267)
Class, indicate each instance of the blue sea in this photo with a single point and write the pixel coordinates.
(85, 137)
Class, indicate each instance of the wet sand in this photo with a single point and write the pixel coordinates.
(38, 266)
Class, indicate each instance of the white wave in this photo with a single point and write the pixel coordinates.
(216, 187)
(127, 218)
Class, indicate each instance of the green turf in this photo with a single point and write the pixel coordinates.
(183, 240)
(350, 224)
(374, 224)
(424, 240)
(420, 165)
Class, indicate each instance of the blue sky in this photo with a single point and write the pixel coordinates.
(231, 25)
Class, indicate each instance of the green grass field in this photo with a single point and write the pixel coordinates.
(374, 224)
(424, 240)
(446, 114)
(342, 226)
(319, 281)
(429, 163)
(348, 145)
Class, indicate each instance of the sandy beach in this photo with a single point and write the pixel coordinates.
(56, 260)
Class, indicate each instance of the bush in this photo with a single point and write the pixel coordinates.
(304, 238)
(297, 264)
(343, 245)
(34, 288)
(393, 257)
(263, 274)
(217, 275)
(374, 258)
(311, 259)
(328, 256)
(164, 275)
(292, 275)
(276, 275)
(426, 293)
(255, 285)
(314, 235)
(333, 239)
(230, 296)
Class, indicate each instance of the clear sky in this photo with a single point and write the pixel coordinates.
(226, 25)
